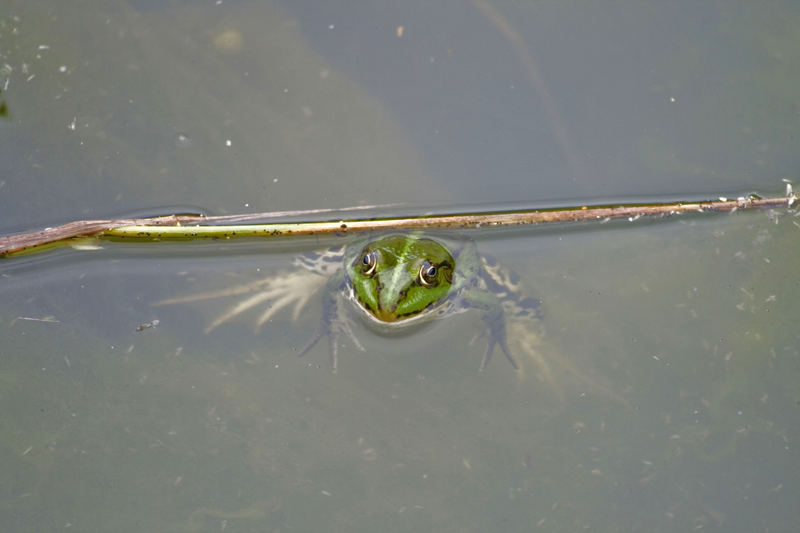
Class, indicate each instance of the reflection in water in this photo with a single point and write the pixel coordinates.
(523, 52)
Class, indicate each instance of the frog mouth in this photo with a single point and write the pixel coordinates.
(385, 315)
(389, 317)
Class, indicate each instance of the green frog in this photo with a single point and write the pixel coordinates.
(395, 281)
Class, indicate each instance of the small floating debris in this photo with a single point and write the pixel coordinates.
(147, 325)
(47, 319)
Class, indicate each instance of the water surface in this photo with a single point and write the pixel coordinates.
(665, 394)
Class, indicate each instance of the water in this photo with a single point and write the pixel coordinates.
(664, 396)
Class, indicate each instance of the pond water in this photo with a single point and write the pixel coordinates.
(663, 394)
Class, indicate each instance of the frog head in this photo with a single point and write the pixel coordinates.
(398, 277)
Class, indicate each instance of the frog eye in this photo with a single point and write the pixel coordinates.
(427, 274)
(369, 262)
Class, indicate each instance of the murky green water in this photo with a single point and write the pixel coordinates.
(666, 396)
(674, 356)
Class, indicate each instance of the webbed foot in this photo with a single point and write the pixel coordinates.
(495, 331)
(333, 324)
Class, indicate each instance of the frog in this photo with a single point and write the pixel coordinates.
(395, 281)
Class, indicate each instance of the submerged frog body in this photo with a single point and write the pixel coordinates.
(395, 281)
(400, 280)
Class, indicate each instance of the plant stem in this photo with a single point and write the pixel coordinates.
(192, 227)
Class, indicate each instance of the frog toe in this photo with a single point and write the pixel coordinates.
(493, 342)
(333, 330)
(495, 332)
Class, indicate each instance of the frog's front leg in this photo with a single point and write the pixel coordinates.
(472, 293)
(494, 320)
(334, 321)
